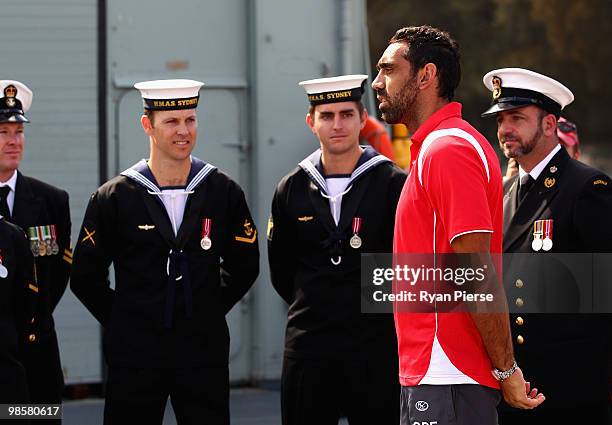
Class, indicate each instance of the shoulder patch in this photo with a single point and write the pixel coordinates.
(250, 233)
(600, 182)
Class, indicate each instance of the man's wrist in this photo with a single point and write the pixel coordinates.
(502, 375)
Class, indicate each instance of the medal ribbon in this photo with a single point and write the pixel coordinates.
(32, 233)
(548, 229)
(53, 234)
(357, 224)
(538, 229)
(46, 232)
(206, 224)
(39, 232)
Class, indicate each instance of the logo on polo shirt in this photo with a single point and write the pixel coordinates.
(421, 406)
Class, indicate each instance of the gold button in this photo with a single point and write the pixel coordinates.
(520, 340)
(519, 283)
(32, 338)
(519, 302)
(519, 321)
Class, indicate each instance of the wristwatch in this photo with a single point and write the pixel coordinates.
(503, 375)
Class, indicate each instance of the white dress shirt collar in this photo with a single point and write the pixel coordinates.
(537, 170)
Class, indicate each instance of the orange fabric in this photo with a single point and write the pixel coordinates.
(376, 135)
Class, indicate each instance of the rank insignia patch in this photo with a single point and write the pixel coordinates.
(270, 228)
(549, 182)
(251, 234)
(89, 236)
(68, 255)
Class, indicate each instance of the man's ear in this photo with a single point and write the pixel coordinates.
(364, 118)
(310, 123)
(549, 125)
(145, 122)
(427, 76)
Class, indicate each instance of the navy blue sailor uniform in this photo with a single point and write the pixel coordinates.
(336, 358)
(18, 324)
(165, 332)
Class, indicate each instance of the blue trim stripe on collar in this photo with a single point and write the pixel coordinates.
(368, 160)
(141, 173)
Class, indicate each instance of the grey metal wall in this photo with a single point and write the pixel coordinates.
(51, 47)
(251, 55)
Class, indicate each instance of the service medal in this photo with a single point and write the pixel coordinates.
(54, 245)
(34, 248)
(547, 243)
(355, 241)
(42, 247)
(537, 244)
(538, 232)
(32, 233)
(206, 242)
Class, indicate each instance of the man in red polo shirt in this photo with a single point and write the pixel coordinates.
(452, 365)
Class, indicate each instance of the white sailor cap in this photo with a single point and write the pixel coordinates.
(15, 100)
(516, 87)
(344, 88)
(165, 95)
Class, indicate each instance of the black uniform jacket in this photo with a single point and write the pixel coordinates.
(40, 204)
(170, 298)
(324, 319)
(18, 297)
(564, 355)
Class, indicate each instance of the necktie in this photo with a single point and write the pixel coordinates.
(526, 182)
(4, 208)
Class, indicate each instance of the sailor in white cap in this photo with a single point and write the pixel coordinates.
(554, 204)
(184, 248)
(337, 204)
(43, 212)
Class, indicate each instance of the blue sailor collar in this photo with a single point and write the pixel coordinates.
(368, 160)
(142, 174)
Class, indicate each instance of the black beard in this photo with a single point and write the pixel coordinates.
(401, 106)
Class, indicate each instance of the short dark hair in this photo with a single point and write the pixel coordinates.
(360, 108)
(432, 45)
(150, 113)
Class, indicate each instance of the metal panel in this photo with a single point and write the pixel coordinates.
(51, 47)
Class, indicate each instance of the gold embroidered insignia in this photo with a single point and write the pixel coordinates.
(68, 256)
(248, 230)
(247, 240)
(89, 236)
(549, 182)
(146, 227)
(496, 87)
(600, 181)
(305, 218)
(270, 228)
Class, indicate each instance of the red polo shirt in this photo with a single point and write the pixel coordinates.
(454, 187)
